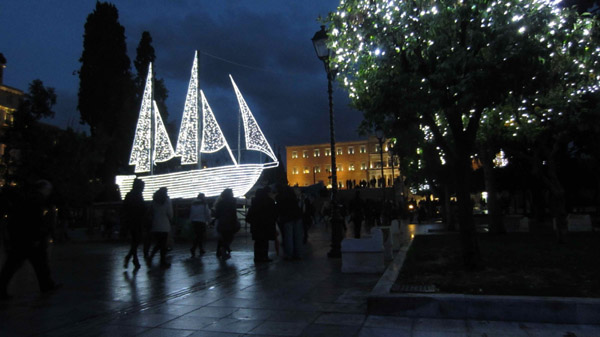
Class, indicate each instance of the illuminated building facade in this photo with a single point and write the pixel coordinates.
(357, 161)
(9, 102)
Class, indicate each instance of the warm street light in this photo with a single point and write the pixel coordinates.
(323, 53)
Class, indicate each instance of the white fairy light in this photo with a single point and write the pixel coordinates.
(187, 144)
(255, 139)
(187, 184)
(163, 150)
(142, 142)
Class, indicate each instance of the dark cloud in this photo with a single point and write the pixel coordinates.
(264, 44)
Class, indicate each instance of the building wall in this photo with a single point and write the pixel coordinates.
(10, 99)
(355, 161)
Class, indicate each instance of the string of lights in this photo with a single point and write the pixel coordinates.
(254, 137)
(142, 142)
(187, 143)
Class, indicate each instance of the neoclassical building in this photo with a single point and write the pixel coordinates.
(356, 161)
(9, 102)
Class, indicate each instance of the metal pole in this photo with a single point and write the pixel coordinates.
(337, 221)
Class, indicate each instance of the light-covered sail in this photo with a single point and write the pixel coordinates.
(163, 150)
(142, 142)
(255, 139)
(187, 143)
(212, 137)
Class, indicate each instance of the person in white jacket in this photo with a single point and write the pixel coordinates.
(199, 218)
(162, 216)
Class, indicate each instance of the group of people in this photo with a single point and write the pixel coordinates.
(268, 217)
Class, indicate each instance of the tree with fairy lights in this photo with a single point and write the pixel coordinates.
(446, 64)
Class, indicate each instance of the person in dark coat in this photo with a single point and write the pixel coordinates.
(227, 223)
(262, 217)
(30, 215)
(133, 217)
(357, 213)
(289, 218)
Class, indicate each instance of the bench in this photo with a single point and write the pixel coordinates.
(363, 255)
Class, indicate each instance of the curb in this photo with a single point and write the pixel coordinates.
(565, 310)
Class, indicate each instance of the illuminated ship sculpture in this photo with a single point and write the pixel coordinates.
(151, 145)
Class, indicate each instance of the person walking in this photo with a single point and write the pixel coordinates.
(30, 215)
(133, 217)
(289, 217)
(226, 222)
(162, 216)
(261, 217)
(199, 217)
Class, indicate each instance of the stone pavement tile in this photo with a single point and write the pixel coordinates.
(236, 302)
(355, 308)
(214, 312)
(560, 330)
(232, 325)
(95, 330)
(252, 314)
(215, 334)
(189, 323)
(446, 325)
(494, 329)
(438, 334)
(403, 324)
(144, 320)
(279, 328)
(341, 319)
(160, 332)
(321, 330)
(170, 309)
(294, 316)
(382, 332)
(196, 299)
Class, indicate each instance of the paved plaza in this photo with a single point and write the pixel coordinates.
(203, 296)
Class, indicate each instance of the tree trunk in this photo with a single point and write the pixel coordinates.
(559, 202)
(469, 242)
(494, 209)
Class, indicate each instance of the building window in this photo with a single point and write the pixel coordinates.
(363, 166)
(363, 149)
(351, 167)
(350, 149)
(377, 148)
(327, 152)
(305, 154)
(317, 169)
(306, 170)
(328, 168)
(339, 151)
(340, 168)
(295, 170)
(317, 153)
(294, 154)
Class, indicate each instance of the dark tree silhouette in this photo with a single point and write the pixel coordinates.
(106, 89)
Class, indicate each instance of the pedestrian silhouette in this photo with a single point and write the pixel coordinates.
(133, 217)
(289, 217)
(199, 217)
(30, 216)
(262, 217)
(162, 216)
(226, 222)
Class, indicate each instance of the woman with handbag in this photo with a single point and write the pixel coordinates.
(226, 222)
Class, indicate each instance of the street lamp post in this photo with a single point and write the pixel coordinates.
(319, 41)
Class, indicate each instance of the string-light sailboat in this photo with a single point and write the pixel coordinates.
(151, 145)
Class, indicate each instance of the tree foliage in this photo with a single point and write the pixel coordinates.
(144, 56)
(106, 89)
(447, 64)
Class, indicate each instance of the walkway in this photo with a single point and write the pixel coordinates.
(205, 297)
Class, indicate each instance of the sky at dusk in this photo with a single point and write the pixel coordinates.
(264, 44)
